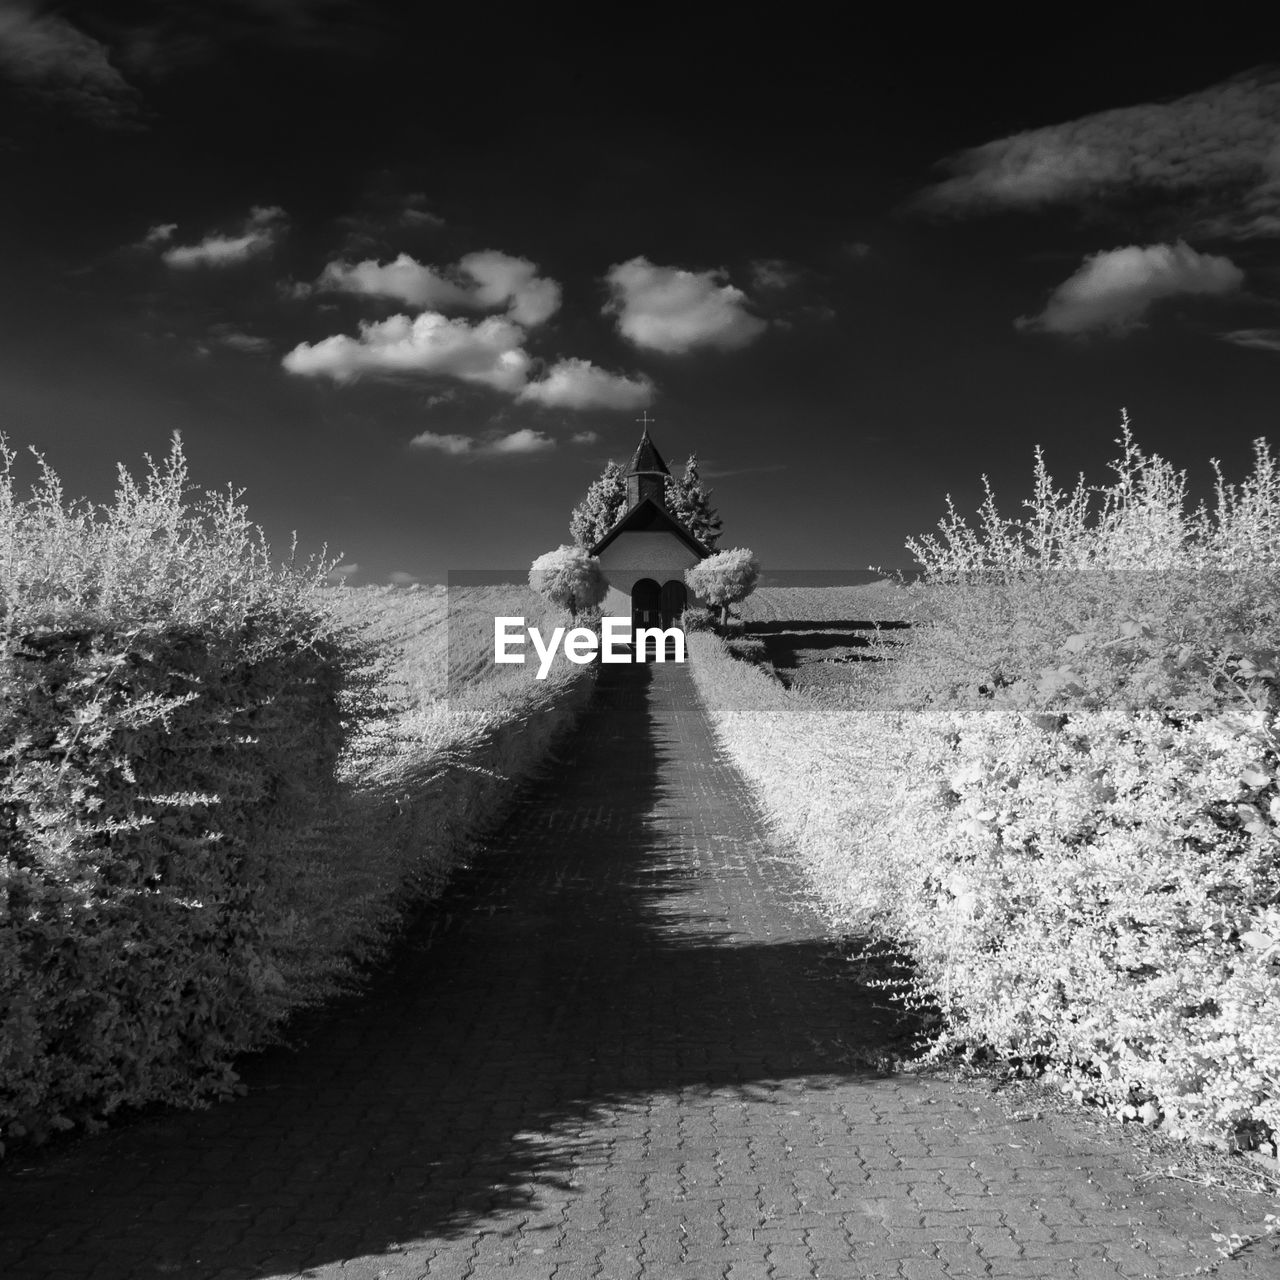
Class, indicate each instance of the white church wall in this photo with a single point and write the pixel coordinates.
(635, 555)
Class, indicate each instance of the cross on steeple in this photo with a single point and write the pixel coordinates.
(646, 477)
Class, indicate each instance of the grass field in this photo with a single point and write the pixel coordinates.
(438, 646)
(875, 601)
(822, 641)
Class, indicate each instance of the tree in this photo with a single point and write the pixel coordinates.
(569, 578)
(599, 511)
(724, 578)
(689, 500)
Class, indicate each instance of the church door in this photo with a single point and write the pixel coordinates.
(673, 600)
(646, 604)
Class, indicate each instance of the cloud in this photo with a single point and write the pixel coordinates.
(584, 437)
(385, 212)
(479, 281)
(523, 441)
(774, 274)
(1212, 155)
(1114, 289)
(54, 61)
(261, 229)
(340, 573)
(1257, 339)
(161, 233)
(454, 445)
(667, 309)
(855, 249)
(412, 217)
(185, 33)
(416, 213)
(403, 278)
(502, 280)
(225, 335)
(400, 578)
(579, 384)
(488, 353)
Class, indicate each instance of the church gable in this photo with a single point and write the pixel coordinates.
(658, 525)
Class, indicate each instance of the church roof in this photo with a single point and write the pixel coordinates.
(647, 457)
(648, 516)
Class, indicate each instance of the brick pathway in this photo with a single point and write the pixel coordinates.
(620, 1047)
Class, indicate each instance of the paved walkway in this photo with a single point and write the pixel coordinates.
(621, 1047)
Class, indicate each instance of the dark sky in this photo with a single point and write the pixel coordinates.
(409, 282)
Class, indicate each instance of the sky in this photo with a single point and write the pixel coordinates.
(408, 281)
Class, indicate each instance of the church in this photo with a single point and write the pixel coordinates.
(645, 554)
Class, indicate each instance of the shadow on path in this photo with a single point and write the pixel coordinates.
(626, 934)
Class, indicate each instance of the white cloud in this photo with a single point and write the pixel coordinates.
(52, 59)
(523, 441)
(1114, 289)
(403, 278)
(579, 384)
(161, 233)
(1212, 156)
(454, 445)
(478, 281)
(340, 573)
(502, 280)
(488, 352)
(260, 231)
(401, 578)
(584, 437)
(667, 309)
(1258, 339)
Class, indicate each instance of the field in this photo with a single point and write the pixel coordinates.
(819, 640)
(873, 602)
(438, 646)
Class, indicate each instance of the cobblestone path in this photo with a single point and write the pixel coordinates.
(621, 1047)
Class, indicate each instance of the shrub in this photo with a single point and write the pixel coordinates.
(192, 744)
(696, 618)
(1101, 785)
(570, 578)
(724, 578)
(151, 556)
(1067, 801)
(747, 648)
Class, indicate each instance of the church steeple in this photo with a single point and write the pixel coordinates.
(647, 475)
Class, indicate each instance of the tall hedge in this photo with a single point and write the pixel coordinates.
(151, 783)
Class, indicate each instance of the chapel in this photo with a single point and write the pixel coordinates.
(645, 554)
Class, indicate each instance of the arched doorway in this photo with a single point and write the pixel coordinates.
(672, 602)
(646, 604)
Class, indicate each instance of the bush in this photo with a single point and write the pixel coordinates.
(1102, 787)
(192, 746)
(570, 579)
(747, 649)
(1067, 803)
(172, 706)
(724, 578)
(695, 618)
